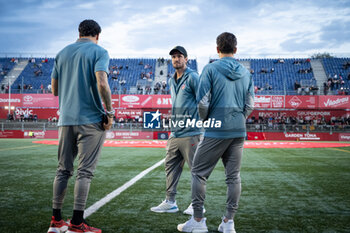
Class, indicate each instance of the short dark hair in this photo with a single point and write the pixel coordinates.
(89, 28)
(226, 42)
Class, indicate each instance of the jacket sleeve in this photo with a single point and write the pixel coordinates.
(194, 81)
(204, 94)
(249, 99)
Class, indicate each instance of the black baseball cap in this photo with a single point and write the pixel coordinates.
(179, 49)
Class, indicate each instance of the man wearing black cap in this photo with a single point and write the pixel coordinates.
(184, 137)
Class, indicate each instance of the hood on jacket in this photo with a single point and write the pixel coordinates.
(230, 68)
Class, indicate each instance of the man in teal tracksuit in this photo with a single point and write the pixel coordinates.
(226, 93)
(184, 139)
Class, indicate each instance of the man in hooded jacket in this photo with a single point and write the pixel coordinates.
(226, 94)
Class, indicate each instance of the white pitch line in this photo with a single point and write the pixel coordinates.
(92, 209)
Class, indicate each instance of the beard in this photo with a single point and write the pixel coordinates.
(178, 66)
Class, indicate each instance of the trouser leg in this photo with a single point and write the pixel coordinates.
(89, 141)
(67, 151)
(187, 147)
(208, 152)
(174, 163)
(232, 162)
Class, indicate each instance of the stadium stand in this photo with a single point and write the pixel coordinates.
(280, 75)
(125, 73)
(6, 65)
(149, 76)
(35, 77)
(338, 73)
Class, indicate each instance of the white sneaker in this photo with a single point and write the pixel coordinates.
(165, 207)
(189, 210)
(227, 227)
(193, 226)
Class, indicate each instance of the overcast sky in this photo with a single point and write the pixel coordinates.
(132, 28)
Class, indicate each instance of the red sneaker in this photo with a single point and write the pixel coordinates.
(83, 227)
(57, 226)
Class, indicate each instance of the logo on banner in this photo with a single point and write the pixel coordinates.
(20, 111)
(163, 101)
(262, 99)
(131, 98)
(28, 98)
(338, 101)
(151, 120)
(11, 100)
(295, 102)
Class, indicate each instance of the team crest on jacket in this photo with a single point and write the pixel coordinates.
(183, 87)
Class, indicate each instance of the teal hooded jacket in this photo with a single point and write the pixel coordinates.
(226, 97)
(184, 105)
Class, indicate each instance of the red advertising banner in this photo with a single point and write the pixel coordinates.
(301, 102)
(344, 137)
(128, 113)
(48, 134)
(269, 101)
(161, 101)
(276, 136)
(164, 101)
(334, 102)
(15, 100)
(129, 135)
(29, 100)
(302, 113)
(42, 113)
(11, 134)
(136, 101)
(40, 100)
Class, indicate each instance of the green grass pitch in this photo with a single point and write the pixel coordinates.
(283, 190)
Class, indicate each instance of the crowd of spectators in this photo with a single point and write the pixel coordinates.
(336, 84)
(298, 123)
(26, 117)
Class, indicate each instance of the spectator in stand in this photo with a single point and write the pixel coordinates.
(296, 85)
(325, 88)
(139, 89)
(256, 88)
(26, 116)
(268, 87)
(164, 87)
(157, 87)
(341, 91)
(313, 90)
(263, 70)
(346, 65)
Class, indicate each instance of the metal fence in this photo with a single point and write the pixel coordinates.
(43, 126)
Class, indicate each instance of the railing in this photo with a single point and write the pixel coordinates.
(135, 91)
(296, 128)
(43, 126)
